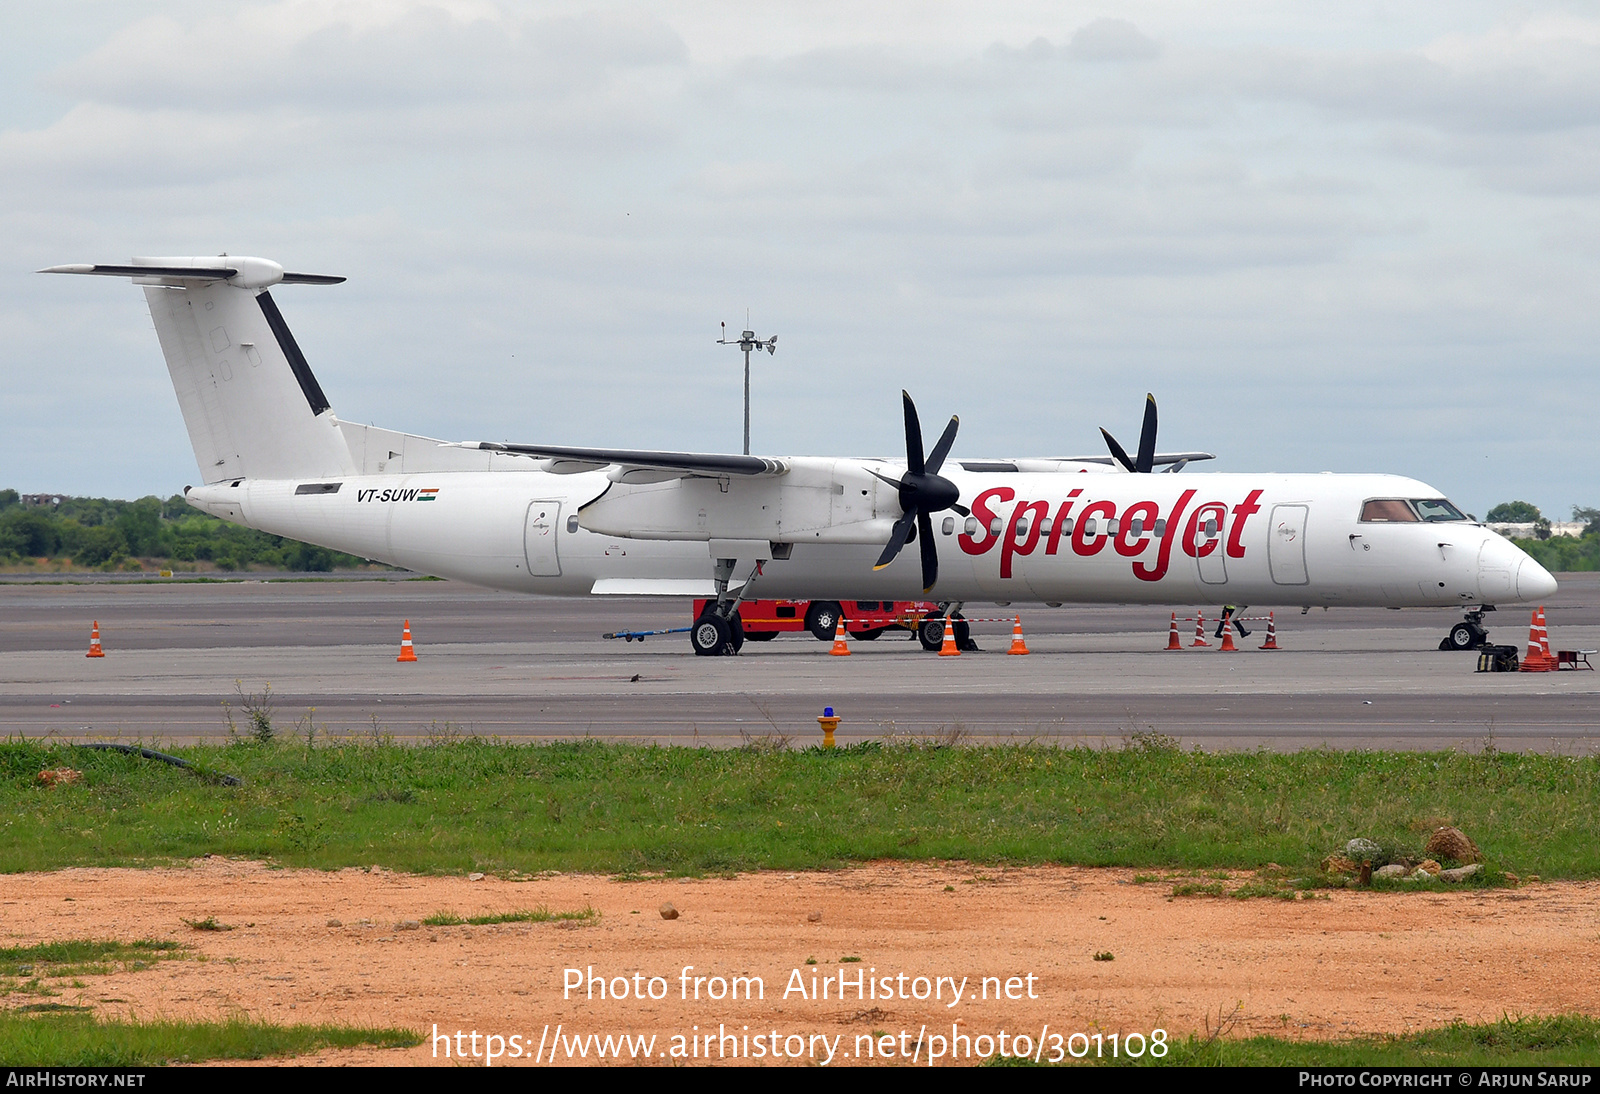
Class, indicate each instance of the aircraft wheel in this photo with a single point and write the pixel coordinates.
(1464, 636)
(710, 636)
(735, 634)
(822, 619)
(963, 631)
(930, 632)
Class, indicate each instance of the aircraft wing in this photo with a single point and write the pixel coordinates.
(633, 464)
(1161, 458)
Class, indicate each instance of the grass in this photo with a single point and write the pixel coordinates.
(82, 957)
(467, 804)
(540, 914)
(64, 1038)
(1561, 1040)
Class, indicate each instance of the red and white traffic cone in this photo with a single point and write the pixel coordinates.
(94, 641)
(407, 651)
(1227, 638)
(1199, 630)
(1172, 634)
(949, 648)
(1017, 644)
(1272, 634)
(1538, 659)
(841, 647)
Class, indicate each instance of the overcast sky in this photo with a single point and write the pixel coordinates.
(1354, 237)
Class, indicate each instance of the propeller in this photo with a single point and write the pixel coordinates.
(923, 491)
(1146, 459)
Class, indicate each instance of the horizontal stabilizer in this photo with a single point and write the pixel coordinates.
(246, 273)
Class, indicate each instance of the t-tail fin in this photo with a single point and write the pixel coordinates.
(252, 405)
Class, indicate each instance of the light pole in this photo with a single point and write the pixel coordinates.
(748, 341)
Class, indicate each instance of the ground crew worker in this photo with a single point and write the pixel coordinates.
(1230, 613)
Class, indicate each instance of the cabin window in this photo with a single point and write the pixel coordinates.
(1111, 526)
(1161, 527)
(995, 526)
(949, 525)
(1022, 527)
(1387, 511)
(1066, 527)
(1211, 526)
(972, 526)
(572, 523)
(1088, 528)
(1436, 509)
(1138, 526)
(1044, 526)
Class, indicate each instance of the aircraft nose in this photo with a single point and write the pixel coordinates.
(1534, 582)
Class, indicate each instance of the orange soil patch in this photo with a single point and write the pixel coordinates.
(1359, 962)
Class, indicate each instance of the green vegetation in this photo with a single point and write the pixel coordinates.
(1563, 1040)
(67, 1038)
(83, 957)
(1564, 554)
(540, 914)
(1514, 512)
(100, 533)
(464, 805)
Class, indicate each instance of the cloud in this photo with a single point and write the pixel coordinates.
(1111, 40)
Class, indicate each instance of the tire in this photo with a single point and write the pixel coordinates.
(963, 631)
(822, 619)
(735, 634)
(710, 636)
(1464, 636)
(869, 635)
(760, 636)
(930, 632)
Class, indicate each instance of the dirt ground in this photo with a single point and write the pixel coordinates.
(342, 947)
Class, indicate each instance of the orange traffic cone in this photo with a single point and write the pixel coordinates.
(407, 652)
(1199, 630)
(1017, 644)
(1272, 634)
(1172, 634)
(1538, 659)
(94, 642)
(948, 648)
(1227, 641)
(841, 648)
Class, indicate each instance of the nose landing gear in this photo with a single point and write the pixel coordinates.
(1470, 633)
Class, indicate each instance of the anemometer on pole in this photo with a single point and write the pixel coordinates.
(748, 341)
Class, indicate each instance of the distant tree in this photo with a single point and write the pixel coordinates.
(1590, 518)
(1514, 512)
(8, 498)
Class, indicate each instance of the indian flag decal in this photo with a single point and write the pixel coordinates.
(428, 494)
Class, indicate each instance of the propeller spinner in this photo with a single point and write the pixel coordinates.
(1145, 461)
(923, 491)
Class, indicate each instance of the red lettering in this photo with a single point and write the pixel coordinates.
(1126, 543)
(1165, 554)
(1055, 528)
(1218, 512)
(1241, 513)
(1040, 510)
(1080, 544)
(986, 517)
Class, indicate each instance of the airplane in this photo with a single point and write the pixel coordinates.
(571, 521)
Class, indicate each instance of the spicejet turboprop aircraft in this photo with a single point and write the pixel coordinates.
(579, 521)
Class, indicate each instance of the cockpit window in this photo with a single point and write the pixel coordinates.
(1387, 510)
(1434, 509)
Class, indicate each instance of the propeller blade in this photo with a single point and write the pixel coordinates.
(897, 540)
(962, 509)
(942, 449)
(1116, 451)
(914, 462)
(1147, 437)
(930, 551)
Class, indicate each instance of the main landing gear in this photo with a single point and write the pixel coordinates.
(719, 632)
(1470, 633)
(930, 632)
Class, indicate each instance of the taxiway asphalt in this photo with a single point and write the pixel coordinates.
(525, 668)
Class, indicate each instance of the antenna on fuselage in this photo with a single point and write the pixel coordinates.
(748, 341)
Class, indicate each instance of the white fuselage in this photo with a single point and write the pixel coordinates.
(1190, 538)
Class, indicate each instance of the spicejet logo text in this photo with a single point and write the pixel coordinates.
(1132, 533)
